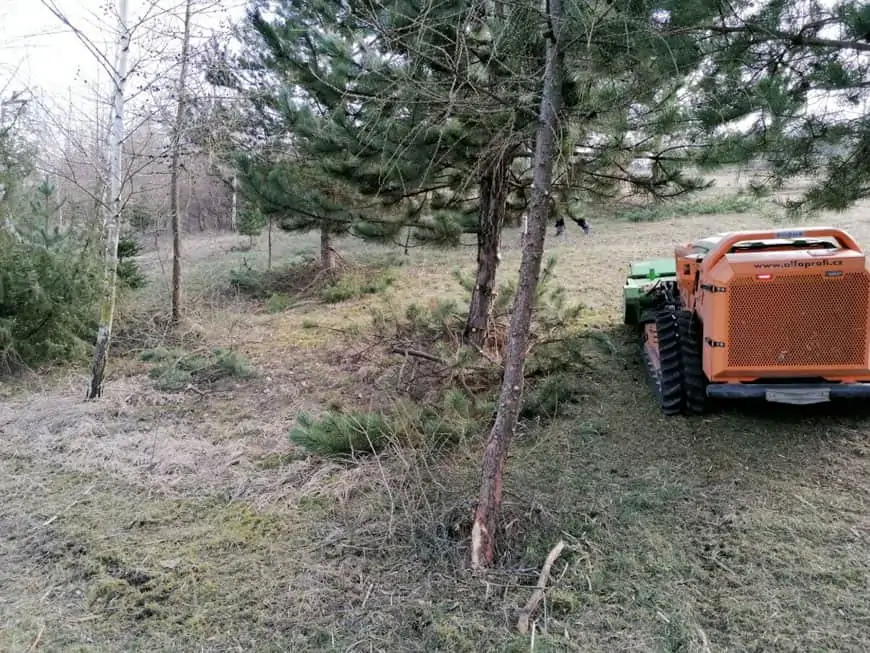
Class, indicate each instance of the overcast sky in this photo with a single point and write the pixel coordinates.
(37, 52)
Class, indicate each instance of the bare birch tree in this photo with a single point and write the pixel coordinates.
(175, 166)
(113, 225)
(155, 72)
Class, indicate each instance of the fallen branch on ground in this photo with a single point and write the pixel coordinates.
(51, 520)
(36, 641)
(538, 594)
(419, 354)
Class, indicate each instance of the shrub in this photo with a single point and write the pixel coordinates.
(250, 282)
(130, 275)
(48, 301)
(432, 427)
(458, 417)
(127, 248)
(251, 222)
(278, 302)
(444, 319)
(342, 434)
(549, 397)
(282, 286)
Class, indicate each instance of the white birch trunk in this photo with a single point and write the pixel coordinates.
(113, 224)
(174, 202)
(234, 215)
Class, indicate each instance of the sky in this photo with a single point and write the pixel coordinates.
(36, 51)
(39, 54)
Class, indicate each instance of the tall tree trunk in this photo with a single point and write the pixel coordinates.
(174, 199)
(327, 251)
(493, 197)
(113, 224)
(234, 213)
(496, 450)
(102, 145)
(269, 236)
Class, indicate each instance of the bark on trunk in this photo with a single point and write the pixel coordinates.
(493, 196)
(234, 212)
(113, 223)
(174, 199)
(496, 450)
(102, 145)
(269, 259)
(327, 251)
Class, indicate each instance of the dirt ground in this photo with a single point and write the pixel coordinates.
(186, 521)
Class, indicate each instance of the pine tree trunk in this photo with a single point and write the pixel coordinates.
(327, 251)
(174, 198)
(493, 198)
(113, 224)
(496, 450)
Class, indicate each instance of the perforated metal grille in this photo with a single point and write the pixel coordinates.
(798, 321)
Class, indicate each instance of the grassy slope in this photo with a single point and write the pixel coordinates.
(167, 522)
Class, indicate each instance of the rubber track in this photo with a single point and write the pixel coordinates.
(671, 396)
(694, 381)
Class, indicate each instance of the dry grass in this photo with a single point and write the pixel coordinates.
(186, 521)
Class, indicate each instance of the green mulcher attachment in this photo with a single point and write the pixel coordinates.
(642, 275)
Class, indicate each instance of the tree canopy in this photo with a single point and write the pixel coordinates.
(784, 82)
(413, 103)
(375, 118)
(405, 115)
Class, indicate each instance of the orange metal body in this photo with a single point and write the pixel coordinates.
(774, 311)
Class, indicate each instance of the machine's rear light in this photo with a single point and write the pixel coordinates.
(763, 277)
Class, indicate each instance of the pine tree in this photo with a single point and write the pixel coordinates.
(416, 123)
(495, 452)
(48, 279)
(16, 165)
(280, 168)
(251, 222)
(298, 196)
(431, 110)
(785, 84)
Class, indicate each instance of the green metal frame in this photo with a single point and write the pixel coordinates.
(640, 275)
(643, 273)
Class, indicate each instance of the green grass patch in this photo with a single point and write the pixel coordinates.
(358, 282)
(281, 288)
(666, 210)
(174, 369)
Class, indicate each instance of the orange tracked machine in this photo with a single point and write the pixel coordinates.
(777, 315)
